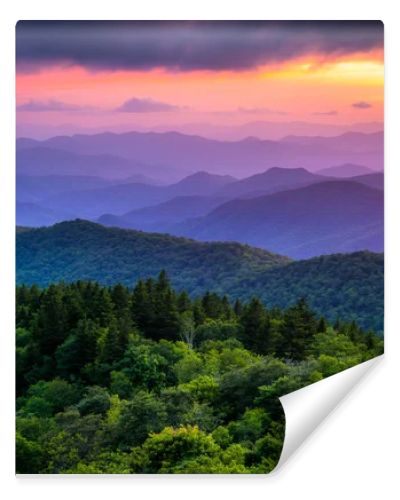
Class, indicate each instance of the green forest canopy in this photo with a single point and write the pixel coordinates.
(112, 380)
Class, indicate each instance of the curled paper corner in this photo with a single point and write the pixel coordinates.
(306, 408)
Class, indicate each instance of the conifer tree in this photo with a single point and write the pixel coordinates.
(183, 302)
(226, 309)
(122, 310)
(198, 312)
(113, 348)
(142, 307)
(299, 329)
(104, 308)
(51, 327)
(322, 325)
(238, 308)
(255, 323)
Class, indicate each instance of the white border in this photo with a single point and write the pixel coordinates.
(354, 453)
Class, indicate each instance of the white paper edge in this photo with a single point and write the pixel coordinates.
(306, 408)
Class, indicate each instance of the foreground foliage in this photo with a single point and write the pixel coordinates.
(111, 380)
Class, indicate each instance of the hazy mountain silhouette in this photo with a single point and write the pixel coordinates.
(35, 188)
(372, 180)
(329, 217)
(202, 183)
(346, 170)
(33, 215)
(121, 198)
(161, 217)
(263, 129)
(268, 130)
(350, 141)
(240, 158)
(40, 161)
(272, 180)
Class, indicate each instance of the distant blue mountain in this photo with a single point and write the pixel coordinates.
(345, 170)
(162, 217)
(189, 153)
(271, 181)
(329, 217)
(43, 160)
(121, 198)
(372, 180)
(34, 215)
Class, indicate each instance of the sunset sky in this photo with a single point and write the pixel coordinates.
(108, 75)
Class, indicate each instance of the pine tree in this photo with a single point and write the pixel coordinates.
(354, 333)
(122, 310)
(166, 323)
(120, 298)
(226, 309)
(142, 307)
(255, 323)
(52, 325)
(163, 284)
(104, 309)
(238, 308)
(198, 312)
(183, 302)
(74, 307)
(87, 334)
(79, 349)
(212, 305)
(337, 325)
(322, 325)
(112, 348)
(299, 329)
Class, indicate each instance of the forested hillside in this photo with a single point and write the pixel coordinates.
(348, 286)
(149, 381)
(84, 250)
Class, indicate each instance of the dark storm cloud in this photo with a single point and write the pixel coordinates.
(187, 45)
(136, 105)
(362, 105)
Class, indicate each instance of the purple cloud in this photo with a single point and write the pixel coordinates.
(261, 111)
(50, 105)
(325, 113)
(361, 105)
(136, 105)
(187, 45)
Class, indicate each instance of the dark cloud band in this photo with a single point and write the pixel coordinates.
(186, 45)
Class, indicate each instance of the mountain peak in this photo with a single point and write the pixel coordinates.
(250, 139)
(204, 176)
(286, 170)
